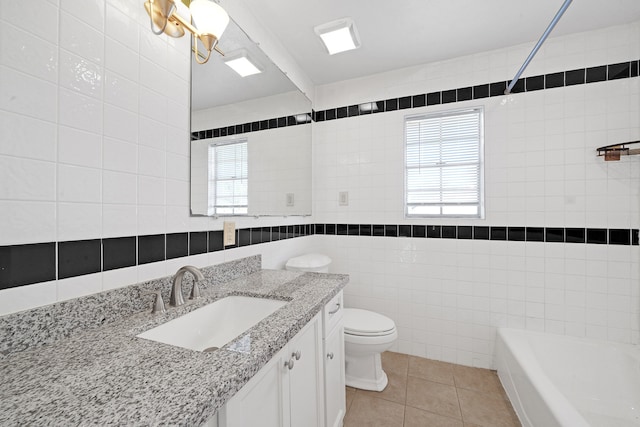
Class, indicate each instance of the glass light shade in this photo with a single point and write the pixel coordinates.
(209, 17)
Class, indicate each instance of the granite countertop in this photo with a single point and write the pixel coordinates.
(109, 376)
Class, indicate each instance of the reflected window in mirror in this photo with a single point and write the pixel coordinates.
(228, 177)
(268, 109)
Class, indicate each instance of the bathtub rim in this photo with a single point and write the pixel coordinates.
(560, 408)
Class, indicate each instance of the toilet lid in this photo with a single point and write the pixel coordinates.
(364, 322)
(309, 261)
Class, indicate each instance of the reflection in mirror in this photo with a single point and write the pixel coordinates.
(267, 115)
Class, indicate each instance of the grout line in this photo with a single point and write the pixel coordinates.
(459, 405)
(406, 391)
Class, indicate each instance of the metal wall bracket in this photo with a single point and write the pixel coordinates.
(614, 151)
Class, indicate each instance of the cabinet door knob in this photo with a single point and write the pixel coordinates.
(330, 356)
(289, 364)
(336, 310)
(297, 355)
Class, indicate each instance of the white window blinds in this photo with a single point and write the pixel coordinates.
(444, 164)
(228, 178)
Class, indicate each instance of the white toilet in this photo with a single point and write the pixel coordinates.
(366, 334)
(317, 263)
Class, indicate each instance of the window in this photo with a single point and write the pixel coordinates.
(228, 178)
(444, 164)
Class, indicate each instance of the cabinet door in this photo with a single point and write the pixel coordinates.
(334, 392)
(306, 377)
(261, 401)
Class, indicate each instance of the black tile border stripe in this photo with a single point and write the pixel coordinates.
(27, 264)
(597, 236)
(600, 73)
(34, 263)
(257, 126)
(621, 70)
(77, 258)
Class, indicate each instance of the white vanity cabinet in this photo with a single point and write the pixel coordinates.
(333, 346)
(302, 385)
(287, 391)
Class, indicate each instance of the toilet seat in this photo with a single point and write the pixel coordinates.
(364, 323)
(371, 341)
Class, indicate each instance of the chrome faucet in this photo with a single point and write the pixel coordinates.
(176, 290)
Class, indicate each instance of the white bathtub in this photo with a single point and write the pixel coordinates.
(556, 380)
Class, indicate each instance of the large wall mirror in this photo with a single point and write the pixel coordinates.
(250, 136)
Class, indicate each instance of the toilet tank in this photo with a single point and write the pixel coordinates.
(317, 263)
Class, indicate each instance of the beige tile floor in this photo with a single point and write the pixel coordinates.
(423, 392)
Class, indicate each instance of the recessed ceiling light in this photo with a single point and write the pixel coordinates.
(242, 64)
(338, 36)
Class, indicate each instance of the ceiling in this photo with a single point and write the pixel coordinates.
(394, 34)
(214, 84)
(403, 33)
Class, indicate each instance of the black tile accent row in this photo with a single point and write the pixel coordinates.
(34, 263)
(26, 264)
(547, 81)
(600, 73)
(79, 257)
(601, 236)
(278, 122)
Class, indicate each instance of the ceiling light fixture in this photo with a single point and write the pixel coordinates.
(370, 107)
(338, 36)
(242, 63)
(303, 118)
(172, 17)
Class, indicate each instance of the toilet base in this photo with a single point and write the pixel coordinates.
(365, 372)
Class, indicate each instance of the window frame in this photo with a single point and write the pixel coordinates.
(481, 164)
(212, 210)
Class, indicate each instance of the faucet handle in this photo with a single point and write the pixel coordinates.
(158, 303)
(195, 290)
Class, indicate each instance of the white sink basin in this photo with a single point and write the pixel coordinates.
(215, 324)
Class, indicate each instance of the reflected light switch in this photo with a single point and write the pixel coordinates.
(343, 198)
(290, 199)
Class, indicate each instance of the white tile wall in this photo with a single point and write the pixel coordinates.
(80, 148)
(15, 128)
(86, 173)
(23, 94)
(94, 137)
(79, 221)
(26, 297)
(448, 296)
(80, 111)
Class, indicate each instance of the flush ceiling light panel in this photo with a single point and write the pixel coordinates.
(243, 64)
(338, 36)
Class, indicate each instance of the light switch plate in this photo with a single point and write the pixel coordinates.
(343, 198)
(229, 233)
(290, 199)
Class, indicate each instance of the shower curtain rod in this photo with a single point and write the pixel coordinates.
(544, 36)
